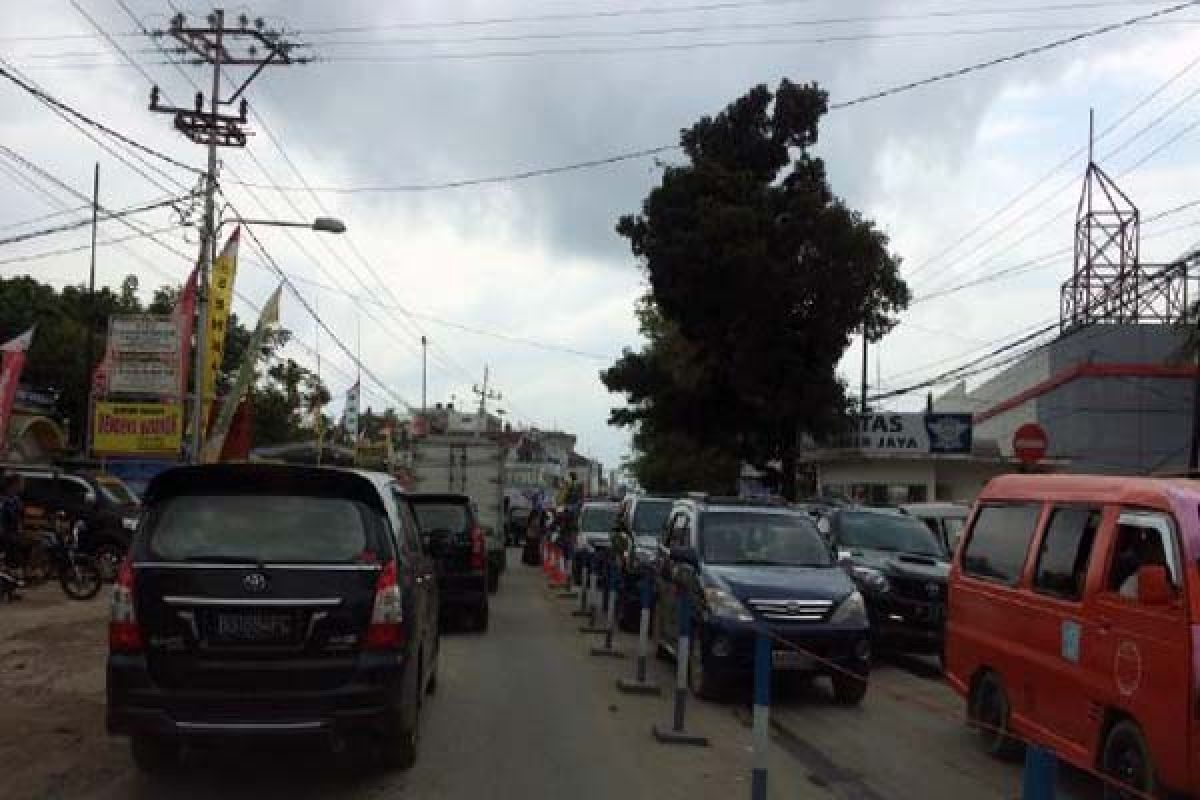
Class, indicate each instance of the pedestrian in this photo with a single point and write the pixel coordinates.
(12, 544)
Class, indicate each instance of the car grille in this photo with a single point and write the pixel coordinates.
(790, 609)
(923, 590)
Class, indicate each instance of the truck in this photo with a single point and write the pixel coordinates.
(471, 465)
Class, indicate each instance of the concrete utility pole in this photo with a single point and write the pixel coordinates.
(217, 45)
(424, 367)
(91, 321)
(485, 394)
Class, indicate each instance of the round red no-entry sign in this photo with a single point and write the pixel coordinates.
(1030, 442)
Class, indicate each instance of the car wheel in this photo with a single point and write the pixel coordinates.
(989, 713)
(1126, 758)
(398, 747)
(155, 756)
(493, 582)
(848, 689)
(108, 557)
(481, 619)
(701, 680)
(431, 683)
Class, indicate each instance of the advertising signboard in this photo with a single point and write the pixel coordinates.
(146, 375)
(143, 334)
(138, 428)
(915, 433)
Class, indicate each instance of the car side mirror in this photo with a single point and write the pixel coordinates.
(685, 555)
(1153, 587)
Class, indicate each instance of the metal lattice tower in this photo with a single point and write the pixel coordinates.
(1110, 284)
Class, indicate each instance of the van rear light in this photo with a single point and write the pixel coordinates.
(478, 548)
(124, 633)
(386, 629)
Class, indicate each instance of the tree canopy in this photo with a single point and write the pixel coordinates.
(57, 358)
(759, 275)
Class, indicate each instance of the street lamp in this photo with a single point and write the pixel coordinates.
(320, 224)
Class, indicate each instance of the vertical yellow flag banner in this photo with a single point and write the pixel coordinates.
(220, 301)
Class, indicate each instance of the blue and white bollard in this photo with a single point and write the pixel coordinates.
(639, 684)
(607, 648)
(762, 714)
(569, 558)
(677, 734)
(1041, 774)
(586, 575)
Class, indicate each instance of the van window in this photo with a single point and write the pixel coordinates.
(1143, 538)
(999, 542)
(1066, 549)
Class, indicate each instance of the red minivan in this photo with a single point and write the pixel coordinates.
(1074, 623)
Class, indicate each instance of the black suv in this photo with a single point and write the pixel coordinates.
(105, 506)
(457, 543)
(902, 570)
(746, 565)
(271, 600)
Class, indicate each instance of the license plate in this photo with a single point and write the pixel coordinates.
(790, 659)
(255, 628)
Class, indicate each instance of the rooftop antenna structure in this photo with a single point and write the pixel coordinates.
(1110, 284)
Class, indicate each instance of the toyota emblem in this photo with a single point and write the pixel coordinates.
(255, 583)
(933, 589)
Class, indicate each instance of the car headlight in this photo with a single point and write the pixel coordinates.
(873, 579)
(723, 604)
(129, 523)
(851, 611)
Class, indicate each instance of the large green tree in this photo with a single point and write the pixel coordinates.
(759, 275)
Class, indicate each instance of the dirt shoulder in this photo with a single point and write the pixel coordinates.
(52, 738)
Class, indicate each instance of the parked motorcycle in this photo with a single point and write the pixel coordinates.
(56, 556)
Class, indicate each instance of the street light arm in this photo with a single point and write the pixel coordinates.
(320, 224)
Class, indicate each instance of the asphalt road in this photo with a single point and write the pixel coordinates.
(521, 712)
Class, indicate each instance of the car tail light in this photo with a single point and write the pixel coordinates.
(478, 548)
(386, 630)
(124, 633)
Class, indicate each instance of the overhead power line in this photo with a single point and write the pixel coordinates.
(50, 100)
(1017, 56)
(62, 251)
(83, 223)
(652, 151)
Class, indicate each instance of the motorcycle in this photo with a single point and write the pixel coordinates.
(56, 556)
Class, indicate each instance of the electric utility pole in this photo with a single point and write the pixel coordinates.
(485, 394)
(217, 45)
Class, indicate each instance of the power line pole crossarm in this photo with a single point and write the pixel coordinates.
(217, 45)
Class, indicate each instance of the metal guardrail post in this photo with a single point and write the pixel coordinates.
(639, 684)
(1041, 774)
(678, 734)
(762, 714)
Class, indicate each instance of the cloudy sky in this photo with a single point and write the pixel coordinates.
(527, 276)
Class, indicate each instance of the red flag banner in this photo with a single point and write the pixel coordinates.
(12, 360)
(185, 319)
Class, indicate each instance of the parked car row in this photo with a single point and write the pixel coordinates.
(261, 600)
(1065, 608)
